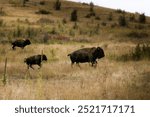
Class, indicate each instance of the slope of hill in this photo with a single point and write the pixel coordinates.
(103, 25)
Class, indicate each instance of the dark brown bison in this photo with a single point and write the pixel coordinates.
(35, 60)
(87, 55)
(20, 43)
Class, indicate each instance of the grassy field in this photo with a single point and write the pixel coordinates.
(56, 36)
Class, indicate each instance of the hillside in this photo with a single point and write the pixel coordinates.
(103, 25)
(123, 73)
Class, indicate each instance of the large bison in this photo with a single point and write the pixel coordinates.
(86, 55)
(20, 43)
(35, 60)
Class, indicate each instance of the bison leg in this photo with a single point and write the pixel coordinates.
(39, 65)
(28, 66)
(13, 47)
(94, 64)
(31, 66)
(78, 65)
(72, 64)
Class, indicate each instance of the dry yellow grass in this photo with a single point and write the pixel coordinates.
(57, 80)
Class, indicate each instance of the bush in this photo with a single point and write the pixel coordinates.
(31, 32)
(110, 17)
(43, 11)
(2, 12)
(64, 21)
(89, 15)
(1, 22)
(75, 26)
(91, 7)
(57, 5)
(142, 18)
(132, 18)
(53, 31)
(136, 34)
(97, 18)
(45, 20)
(45, 38)
(139, 26)
(122, 21)
(103, 23)
(120, 11)
(42, 2)
(74, 16)
(140, 52)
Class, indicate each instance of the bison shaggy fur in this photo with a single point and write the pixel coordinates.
(86, 55)
(20, 43)
(35, 60)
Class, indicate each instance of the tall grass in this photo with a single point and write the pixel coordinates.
(140, 52)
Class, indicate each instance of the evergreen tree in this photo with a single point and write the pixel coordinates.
(74, 16)
(122, 21)
(142, 18)
(57, 5)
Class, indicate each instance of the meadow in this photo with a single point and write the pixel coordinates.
(56, 36)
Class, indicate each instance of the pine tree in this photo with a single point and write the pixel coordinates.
(57, 5)
(74, 16)
(142, 18)
(91, 7)
(122, 21)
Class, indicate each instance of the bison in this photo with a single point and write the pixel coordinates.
(86, 55)
(35, 60)
(20, 43)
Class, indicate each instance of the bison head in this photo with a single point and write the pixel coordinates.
(99, 53)
(44, 57)
(27, 42)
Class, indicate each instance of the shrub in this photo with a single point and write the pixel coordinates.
(57, 5)
(2, 11)
(132, 18)
(42, 2)
(120, 11)
(74, 16)
(103, 23)
(89, 15)
(142, 18)
(53, 31)
(140, 52)
(64, 21)
(86, 4)
(136, 34)
(139, 26)
(110, 17)
(122, 21)
(45, 20)
(1, 22)
(43, 11)
(91, 7)
(75, 26)
(46, 38)
(18, 32)
(97, 28)
(31, 32)
(97, 18)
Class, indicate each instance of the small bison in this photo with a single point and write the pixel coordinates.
(35, 60)
(20, 43)
(86, 55)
